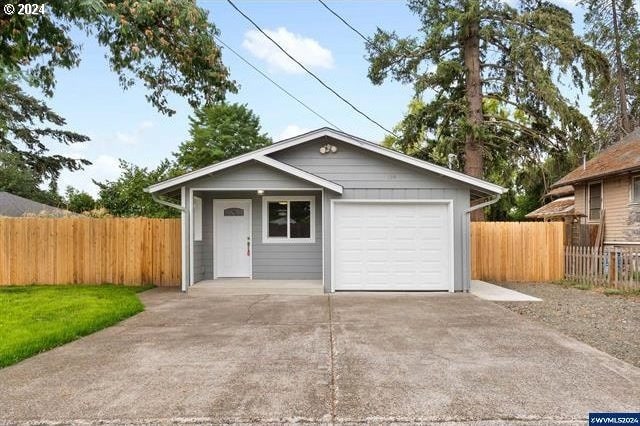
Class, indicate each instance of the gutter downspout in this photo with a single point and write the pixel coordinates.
(159, 200)
(466, 276)
(183, 212)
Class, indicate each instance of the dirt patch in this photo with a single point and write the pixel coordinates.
(608, 323)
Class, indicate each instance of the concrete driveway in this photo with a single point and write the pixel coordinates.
(351, 357)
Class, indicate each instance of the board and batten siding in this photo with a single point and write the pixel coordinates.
(302, 261)
(621, 224)
(366, 175)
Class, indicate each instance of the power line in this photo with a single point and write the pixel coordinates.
(317, 114)
(344, 21)
(343, 99)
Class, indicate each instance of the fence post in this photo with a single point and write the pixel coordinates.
(612, 267)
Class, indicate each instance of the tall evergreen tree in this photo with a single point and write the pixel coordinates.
(471, 51)
(219, 132)
(614, 28)
(168, 46)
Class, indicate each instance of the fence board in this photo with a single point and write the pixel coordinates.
(517, 251)
(603, 266)
(132, 251)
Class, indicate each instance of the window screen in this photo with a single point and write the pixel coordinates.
(595, 200)
(278, 219)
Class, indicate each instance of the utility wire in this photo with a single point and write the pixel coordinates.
(343, 99)
(317, 114)
(344, 21)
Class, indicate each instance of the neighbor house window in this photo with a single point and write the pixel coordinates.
(595, 200)
(635, 189)
(288, 219)
(197, 219)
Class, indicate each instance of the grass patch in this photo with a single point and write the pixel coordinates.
(574, 284)
(607, 291)
(34, 319)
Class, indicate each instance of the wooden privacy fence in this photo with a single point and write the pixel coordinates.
(90, 251)
(517, 251)
(603, 266)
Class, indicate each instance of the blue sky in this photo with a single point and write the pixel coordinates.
(122, 125)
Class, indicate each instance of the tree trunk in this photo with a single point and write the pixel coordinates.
(622, 87)
(473, 152)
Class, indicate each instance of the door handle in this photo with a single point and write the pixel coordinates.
(248, 246)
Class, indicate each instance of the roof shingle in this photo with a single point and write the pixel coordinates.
(15, 206)
(620, 157)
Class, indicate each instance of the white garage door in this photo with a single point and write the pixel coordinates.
(392, 246)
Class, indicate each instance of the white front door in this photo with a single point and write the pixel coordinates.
(232, 238)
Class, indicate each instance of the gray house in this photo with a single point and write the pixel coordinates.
(328, 206)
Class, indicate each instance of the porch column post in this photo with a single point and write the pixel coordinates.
(186, 205)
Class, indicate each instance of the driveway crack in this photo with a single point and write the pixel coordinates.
(250, 307)
(332, 356)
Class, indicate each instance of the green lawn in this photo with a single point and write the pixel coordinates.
(34, 319)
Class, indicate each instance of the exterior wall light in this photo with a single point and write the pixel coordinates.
(260, 191)
(328, 148)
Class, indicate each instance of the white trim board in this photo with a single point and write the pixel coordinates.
(449, 204)
(260, 155)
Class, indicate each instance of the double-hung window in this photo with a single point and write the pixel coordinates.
(288, 219)
(595, 200)
(635, 189)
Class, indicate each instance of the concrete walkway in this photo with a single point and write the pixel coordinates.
(493, 292)
(247, 287)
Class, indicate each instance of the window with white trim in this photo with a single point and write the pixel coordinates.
(635, 189)
(197, 219)
(595, 200)
(288, 219)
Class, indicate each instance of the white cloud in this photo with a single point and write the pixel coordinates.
(104, 167)
(306, 50)
(290, 131)
(132, 138)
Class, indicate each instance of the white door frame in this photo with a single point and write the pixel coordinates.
(449, 204)
(249, 201)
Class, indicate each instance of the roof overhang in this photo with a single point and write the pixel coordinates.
(262, 155)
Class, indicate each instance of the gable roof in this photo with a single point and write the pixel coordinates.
(263, 153)
(618, 158)
(557, 208)
(561, 191)
(15, 206)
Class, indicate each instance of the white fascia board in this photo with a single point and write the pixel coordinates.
(343, 137)
(300, 173)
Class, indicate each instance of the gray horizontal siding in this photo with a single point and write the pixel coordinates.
(270, 261)
(354, 167)
(251, 175)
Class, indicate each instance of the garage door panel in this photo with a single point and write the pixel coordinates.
(392, 246)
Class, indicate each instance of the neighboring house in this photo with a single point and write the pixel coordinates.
(608, 187)
(560, 208)
(328, 206)
(15, 206)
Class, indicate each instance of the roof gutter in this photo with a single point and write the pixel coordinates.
(159, 200)
(466, 264)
